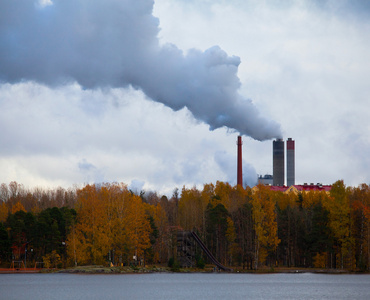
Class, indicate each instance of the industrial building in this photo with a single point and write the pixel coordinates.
(278, 155)
(265, 180)
(300, 188)
(277, 180)
(290, 166)
(278, 162)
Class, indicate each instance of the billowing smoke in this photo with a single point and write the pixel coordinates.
(114, 43)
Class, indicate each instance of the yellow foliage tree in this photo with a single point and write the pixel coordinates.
(109, 218)
(264, 224)
(312, 198)
(238, 197)
(340, 222)
(320, 259)
(191, 211)
(223, 192)
(52, 260)
(233, 247)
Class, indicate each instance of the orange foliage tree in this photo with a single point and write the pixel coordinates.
(3, 212)
(110, 219)
(18, 207)
(360, 202)
(241, 226)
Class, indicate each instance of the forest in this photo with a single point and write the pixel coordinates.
(108, 224)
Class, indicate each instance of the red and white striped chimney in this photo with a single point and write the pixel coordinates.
(240, 164)
(290, 168)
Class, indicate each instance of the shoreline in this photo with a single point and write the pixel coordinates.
(91, 269)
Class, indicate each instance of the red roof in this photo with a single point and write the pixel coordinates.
(278, 188)
(302, 187)
(313, 187)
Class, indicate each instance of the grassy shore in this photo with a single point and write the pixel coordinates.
(132, 269)
(93, 269)
(208, 269)
(100, 269)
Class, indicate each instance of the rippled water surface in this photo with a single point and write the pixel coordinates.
(184, 286)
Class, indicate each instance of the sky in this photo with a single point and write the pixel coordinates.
(155, 93)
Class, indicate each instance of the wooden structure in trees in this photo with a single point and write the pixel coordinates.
(185, 249)
(186, 242)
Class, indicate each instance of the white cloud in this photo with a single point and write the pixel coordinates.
(304, 64)
(44, 3)
(68, 135)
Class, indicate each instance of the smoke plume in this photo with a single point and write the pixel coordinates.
(114, 43)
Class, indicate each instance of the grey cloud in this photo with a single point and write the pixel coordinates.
(90, 172)
(114, 44)
(250, 175)
(136, 186)
(86, 166)
(358, 8)
(227, 163)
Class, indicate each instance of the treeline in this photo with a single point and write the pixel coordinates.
(247, 228)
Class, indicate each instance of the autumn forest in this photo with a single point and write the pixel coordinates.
(108, 224)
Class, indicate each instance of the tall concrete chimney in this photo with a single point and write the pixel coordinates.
(240, 164)
(278, 162)
(290, 168)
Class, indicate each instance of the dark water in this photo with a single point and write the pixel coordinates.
(184, 286)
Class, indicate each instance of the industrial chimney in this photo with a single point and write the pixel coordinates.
(290, 168)
(278, 162)
(240, 165)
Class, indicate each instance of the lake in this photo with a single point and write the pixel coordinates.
(184, 286)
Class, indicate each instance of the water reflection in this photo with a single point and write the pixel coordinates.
(184, 286)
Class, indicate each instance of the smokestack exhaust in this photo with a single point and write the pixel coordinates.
(240, 164)
(164, 73)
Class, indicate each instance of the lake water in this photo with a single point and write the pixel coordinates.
(184, 286)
